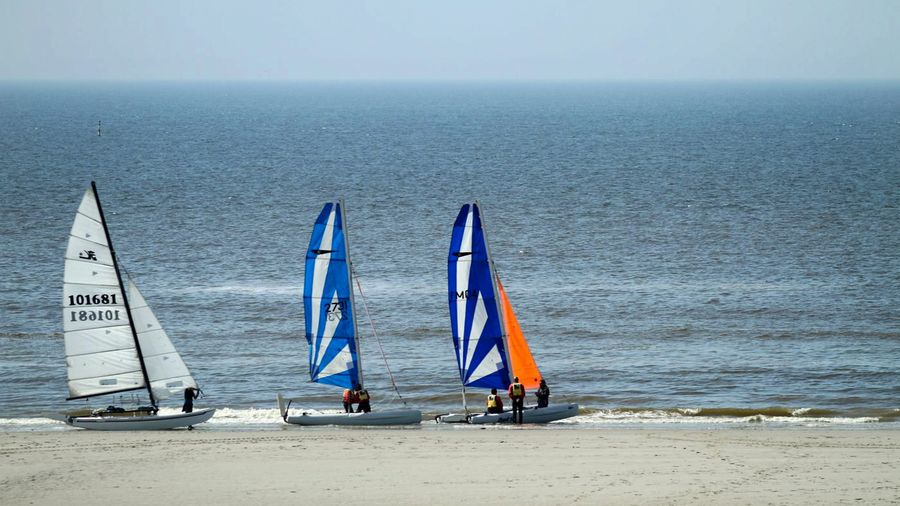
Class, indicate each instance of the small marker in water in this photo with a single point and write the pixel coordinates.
(98, 128)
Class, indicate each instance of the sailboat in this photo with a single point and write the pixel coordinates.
(491, 349)
(331, 327)
(113, 341)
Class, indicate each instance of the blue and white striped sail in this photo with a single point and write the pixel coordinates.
(328, 303)
(474, 316)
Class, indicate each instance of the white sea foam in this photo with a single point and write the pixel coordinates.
(246, 418)
(686, 417)
(225, 418)
(31, 424)
(270, 419)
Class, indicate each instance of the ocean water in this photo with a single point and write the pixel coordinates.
(676, 252)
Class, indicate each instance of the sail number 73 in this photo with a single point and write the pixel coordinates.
(335, 310)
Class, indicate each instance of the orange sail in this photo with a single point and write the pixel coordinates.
(522, 363)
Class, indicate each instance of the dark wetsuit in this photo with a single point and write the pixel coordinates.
(543, 396)
(189, 395)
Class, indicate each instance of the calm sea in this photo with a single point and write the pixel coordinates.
(704, 252)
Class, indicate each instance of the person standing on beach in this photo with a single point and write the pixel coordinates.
(517, 395)
(494, 402)
(362, 397)
(543, 395)
(190, 393)
(349, 399)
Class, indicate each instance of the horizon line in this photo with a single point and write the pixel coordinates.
(457, 80)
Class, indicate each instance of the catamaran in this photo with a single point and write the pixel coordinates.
(490, 347)
(114, 343)
(331, 327)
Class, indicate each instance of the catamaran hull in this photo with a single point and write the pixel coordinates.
(395, 417)
(152, 422)
(530, 414)
(452, 418)
(398, 417)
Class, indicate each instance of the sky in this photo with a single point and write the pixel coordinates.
(449, 40)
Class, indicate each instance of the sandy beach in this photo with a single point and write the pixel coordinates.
(453, 466)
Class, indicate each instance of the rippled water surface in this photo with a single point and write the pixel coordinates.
(670, 249)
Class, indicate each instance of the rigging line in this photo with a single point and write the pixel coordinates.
(122, 266)
(377, 340)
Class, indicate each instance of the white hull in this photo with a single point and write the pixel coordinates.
(151, 422)
(452, 418)
(396, 417)
(530, 414)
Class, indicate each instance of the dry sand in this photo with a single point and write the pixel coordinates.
(522, 466)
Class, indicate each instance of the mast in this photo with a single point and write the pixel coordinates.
(346, 227)
(497, 301)
(112, 252)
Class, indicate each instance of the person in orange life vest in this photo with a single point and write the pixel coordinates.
(494, 402)
(362, 397)
(517, 394)
(349, 399)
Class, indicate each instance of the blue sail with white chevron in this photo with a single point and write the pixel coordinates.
(474, 315)
(328, 303)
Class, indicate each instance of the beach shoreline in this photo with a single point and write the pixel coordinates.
(525, 465)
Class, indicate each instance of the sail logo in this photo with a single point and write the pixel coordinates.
(465, 294)
(88, 255)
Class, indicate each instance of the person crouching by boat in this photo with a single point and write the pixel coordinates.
(543, 395)
(517, 394)
(362, 396)
(190, 393)
(494, 402)
(349, 399)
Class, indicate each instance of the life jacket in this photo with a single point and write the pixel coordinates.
(492, 401)
(347, 394)
(518, 390)
(363, 395)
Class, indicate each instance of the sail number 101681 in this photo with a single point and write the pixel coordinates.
(98, 316)
(93, 300)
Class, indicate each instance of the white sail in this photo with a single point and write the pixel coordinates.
(165, 368)
(101, 356)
